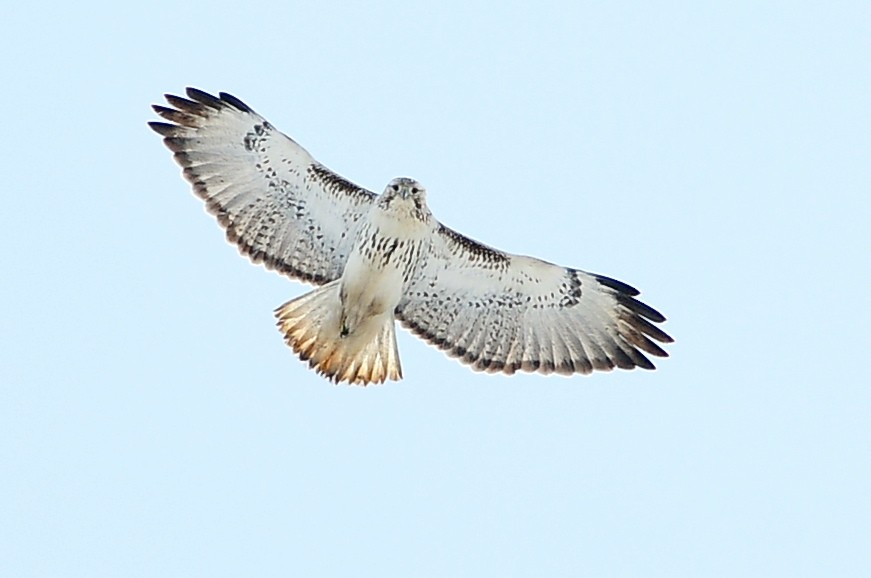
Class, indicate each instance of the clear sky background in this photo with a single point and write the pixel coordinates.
(716, 156)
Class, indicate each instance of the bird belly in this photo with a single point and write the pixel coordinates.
(370, 290)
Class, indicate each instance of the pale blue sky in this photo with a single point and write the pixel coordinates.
(716, 156)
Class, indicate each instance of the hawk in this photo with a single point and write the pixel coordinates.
(381, 258)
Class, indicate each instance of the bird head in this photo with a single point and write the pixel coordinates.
(405, 188)
(405, 193)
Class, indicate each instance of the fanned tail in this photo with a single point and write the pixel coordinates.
(310, 324)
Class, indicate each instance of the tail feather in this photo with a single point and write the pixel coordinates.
(310, 324)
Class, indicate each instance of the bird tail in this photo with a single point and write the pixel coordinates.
(310, 324)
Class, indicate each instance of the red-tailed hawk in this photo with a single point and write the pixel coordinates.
(377, 258)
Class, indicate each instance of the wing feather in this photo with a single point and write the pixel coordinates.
(501, 312)
(276, 203)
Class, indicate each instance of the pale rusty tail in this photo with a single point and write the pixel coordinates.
(310, 325)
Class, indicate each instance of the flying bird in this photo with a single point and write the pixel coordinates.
(381, 258)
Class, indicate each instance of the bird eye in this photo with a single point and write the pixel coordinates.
(395, 188)
(414, 190)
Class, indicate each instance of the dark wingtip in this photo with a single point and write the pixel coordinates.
(617, 285)
(646, 364)
(626, 294)
(184, 104)
(234, 102)
(640, 308)
(162, 128)
(203, 97)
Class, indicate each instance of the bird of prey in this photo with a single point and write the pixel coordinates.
(381, 258)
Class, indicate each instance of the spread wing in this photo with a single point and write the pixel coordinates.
(501, 312)
(280, 206)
